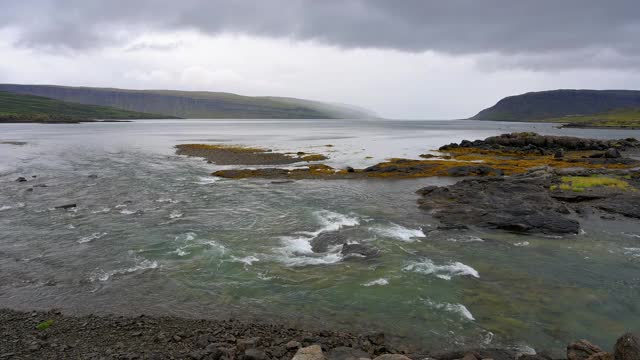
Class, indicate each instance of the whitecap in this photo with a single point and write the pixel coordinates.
(127, 212)
(297, 252)
(378, 282)
(175, 214)
(71, 227)
(332, 221)
(121, 206)
(521, 243)
(189, 236)
(458, 309)
(632, 235)
(247, 260)
(445, 272)
(5, 207)
(206, 180)
(140, 264)
(104, 210)
(91, 237)
(216, 246)
(181, 251)
(399, 232)
(167, 200)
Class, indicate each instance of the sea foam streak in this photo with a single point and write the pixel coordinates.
(378, 282)
(140, 264)
(458, 309)
(91, 237)
(445, 272)
(399, 232)
(5, 207)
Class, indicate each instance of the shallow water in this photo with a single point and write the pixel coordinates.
(154, 233)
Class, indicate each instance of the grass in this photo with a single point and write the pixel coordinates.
(45, 325)
(581, 183)
(29, 108)
(625, 118)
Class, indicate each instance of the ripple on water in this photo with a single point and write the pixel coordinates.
(445, 272)
(377, 282)
(140, 264)
(457, 309)
(89, 238)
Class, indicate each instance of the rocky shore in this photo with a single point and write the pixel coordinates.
(52, 335)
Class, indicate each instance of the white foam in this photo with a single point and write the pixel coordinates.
(399, 232)
(332, 221)
(466, 239)
(140, 264)
(167, 200)
(445, 272)
(127, 212)
(175, 214)
(5, 207)
(297, 252)
(458, 309)
(632, 235)
(635, 252)
(247, 260)
(91, 237)
(218, 247)
(104, 210)
(377, 282)
(71, 227)
(189, 236)
(181, 251)
(207, 180)
(121, 206)
(521, 243)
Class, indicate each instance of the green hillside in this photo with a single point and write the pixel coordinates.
(621, 118)
(29, 108)
(193, 104)
(545, 105)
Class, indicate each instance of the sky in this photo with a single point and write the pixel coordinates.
(408, 59)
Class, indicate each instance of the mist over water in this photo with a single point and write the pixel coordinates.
(154, 233)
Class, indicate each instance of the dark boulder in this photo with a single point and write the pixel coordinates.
(426, 190)
(346, 353)
(612, 153)
(325, 239)
(66, 206)
(21, 179)
(627, 347)
(480, 170)
(359, 250)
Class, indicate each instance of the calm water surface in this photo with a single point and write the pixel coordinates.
(154, 233)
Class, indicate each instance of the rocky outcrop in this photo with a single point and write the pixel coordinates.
(536, 202)
(313, 352)
(582, 350)
(627, 347)
(544, 144)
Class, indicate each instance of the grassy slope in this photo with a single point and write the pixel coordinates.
(27, 108)
(615, 118)
(192, 104)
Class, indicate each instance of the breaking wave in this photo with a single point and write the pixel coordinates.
(445, 272)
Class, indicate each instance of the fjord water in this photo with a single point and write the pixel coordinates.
(154, 233)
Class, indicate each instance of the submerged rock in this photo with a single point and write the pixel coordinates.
(581, 350)
(66, 206)
(360, 250)
(325, 239)
(21, 179)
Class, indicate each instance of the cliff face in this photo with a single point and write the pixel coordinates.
(559, 103)
(190, 104)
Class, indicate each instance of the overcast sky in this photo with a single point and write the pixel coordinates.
(402, 59)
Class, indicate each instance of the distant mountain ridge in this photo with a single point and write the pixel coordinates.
(554, 104)
(193, 104)
(30, 108)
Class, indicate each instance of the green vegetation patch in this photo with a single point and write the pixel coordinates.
(615, 118)
(45, 325)
(581, 183)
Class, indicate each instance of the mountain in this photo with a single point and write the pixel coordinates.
(193, 104)
(547, 105)
(29, 108)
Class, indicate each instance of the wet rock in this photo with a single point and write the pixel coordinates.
(612, 153)
(346, 353)
(391, 357)
(535, 357)
(21, 179)
(426, 190)
(558, 154)
(244, 344)
(376, 339)
(66, 206)
(350, 169)
(282, 181)
(293, 345)
(480, 170)
(254, 354)
(325, 239)
(313, 352)
(581, 350)
(360, 250)
(627, 347)
(213, 352)
(601, 356)
(204, 340)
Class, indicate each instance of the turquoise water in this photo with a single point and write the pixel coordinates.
(154, 233)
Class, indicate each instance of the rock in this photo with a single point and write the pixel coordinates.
(534, 357)
(244, 344)
(346, 353)
(177, 338)
(213, 352)
(21, 179)
(313, 352)
(282, 181)
(377, 338)
(350, 169)
(391, 357)
(581, 350)
(627, 347)
(600, 356)
(293, 345)
(203, 341)
(66, 206)
(469, 356)
(360, 250)
(612, 153)
(196, 355)
(480, 170)
(558, 154)
(254, 354)
(325, 239)
(426, 190)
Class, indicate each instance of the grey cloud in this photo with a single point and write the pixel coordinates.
(528, 31)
